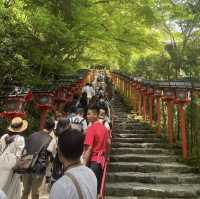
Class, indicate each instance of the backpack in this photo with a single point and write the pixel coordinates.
(57, 169)
(28, 160)
(26, 163)
(76, 123)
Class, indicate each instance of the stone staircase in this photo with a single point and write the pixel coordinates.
(142, 166)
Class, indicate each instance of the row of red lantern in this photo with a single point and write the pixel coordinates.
(161, 91)
(45, 100)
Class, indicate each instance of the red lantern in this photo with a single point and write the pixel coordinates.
(60, 94)
(44, 103)
(150, 91)
(60, 97)
(182, 96)
(138, 86)
(168, 94)
(14, 107)
(44, 100)
(158, 92)
(143, 89)
(69, 94)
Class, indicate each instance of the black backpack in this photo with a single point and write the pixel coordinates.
(35, 155)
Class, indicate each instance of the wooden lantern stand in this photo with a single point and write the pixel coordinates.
(44, 103)
(169, 96)
(150, 94)
(143, 91)
(182, 99)
(14, 105)
(158, 96)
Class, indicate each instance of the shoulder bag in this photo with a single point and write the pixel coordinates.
(76, 184)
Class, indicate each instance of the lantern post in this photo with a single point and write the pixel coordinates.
(150, 93)
(14, 105)
(131, 93)
(134, 94)
(158, 96)
(60, 97)
(44, 103)
(169, 96)
(182, 99)
(144, 97)
(139, 96)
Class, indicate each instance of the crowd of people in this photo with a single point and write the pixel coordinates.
(69, 153)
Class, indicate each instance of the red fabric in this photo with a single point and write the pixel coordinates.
(97, 137)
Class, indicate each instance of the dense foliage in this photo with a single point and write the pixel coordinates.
(154, 38)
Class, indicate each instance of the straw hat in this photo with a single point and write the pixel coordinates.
(18, 125)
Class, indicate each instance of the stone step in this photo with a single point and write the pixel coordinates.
(118, 105)
(140, 145)
(136, 140)
(158, 198)
(143, 165)
(133, 131)
(128, 150)
(131, 127)
(139, 127)
(129, 197)
(147, 167)
(136, 197)
(119, 110)
(128, 122)
(134, 135)
(189, 191)
(120, 116)
(153, 178)
(143, 158)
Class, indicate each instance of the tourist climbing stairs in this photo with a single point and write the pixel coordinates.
(143, 166)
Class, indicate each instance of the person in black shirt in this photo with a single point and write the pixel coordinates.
(38, 142)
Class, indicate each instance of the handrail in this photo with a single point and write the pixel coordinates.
(105, 168)
(103, 180)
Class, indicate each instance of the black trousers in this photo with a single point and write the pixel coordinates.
(96, 168)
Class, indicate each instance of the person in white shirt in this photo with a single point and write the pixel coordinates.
(11, 148)
(78, 180)
(89, 90)
(2, 195)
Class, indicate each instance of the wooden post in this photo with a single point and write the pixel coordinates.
(158, 114)
(43, 115)
(170, 120)
(144, 107)
(151, 109)
(183, 131)
(139, 103)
